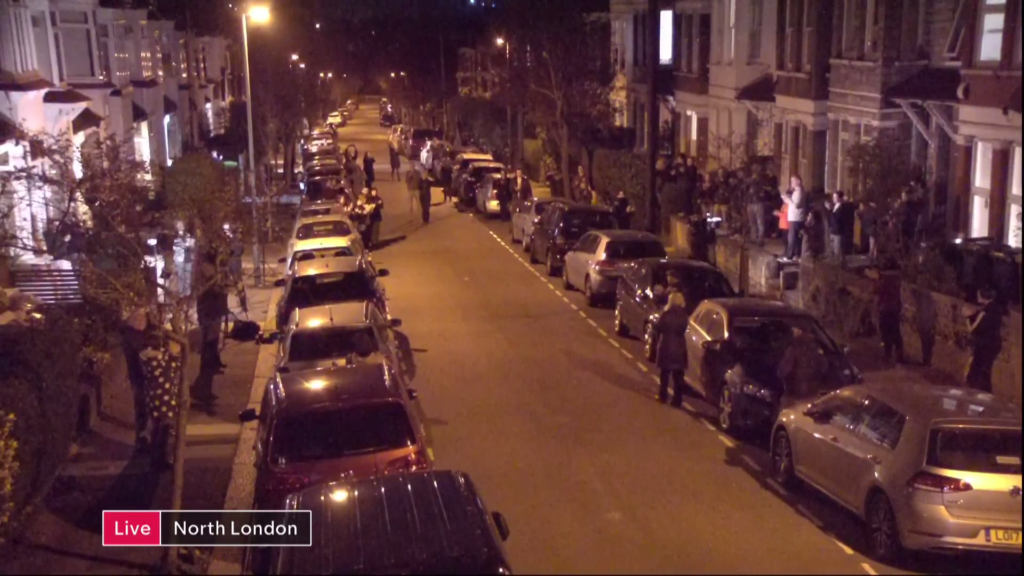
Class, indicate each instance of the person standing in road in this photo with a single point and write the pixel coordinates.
(424, 199)
(521, 187)
(396, 163)
(368, 162)
(504, 194)
(670, 334)
(985, 324)
(623, 211)
(889, 302)
(413, 183)
(796, 213)
(376, 216)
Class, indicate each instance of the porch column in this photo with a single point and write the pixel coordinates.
(832, 156)
(998, 193)
(818, 144)
(960, 185)
(702, 141)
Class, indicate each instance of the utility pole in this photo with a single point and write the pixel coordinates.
(652, 116)
(444, 85)
(250, 163)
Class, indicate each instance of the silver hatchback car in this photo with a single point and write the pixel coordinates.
(926, 467)
(598, 260)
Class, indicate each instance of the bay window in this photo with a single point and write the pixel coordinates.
(991, 24)
(756, 22)
(73, 39)
(981, 183)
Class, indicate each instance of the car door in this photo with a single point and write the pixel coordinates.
(576, 260)
(707, 374)
(282, 304)
(696, 335)
(626, 294)
(644, 303)
(818, 441)
(870, 443)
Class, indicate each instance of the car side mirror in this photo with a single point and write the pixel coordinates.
(282, 260)
(818, 415)
(501, 525)
(383, 273)
(279, 283)
(248, 415)
(395, 323)
(713, 345)
(412, 393)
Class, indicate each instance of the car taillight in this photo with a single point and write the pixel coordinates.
(605, 266)
(935, 483)
(288, 483)
(415, 461)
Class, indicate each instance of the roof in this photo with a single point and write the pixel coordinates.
(139, 113)
(29, 85)
(318, 266)
(365, 381)
(760, 90)
(85, 120)
(678, 263)
(409, 523)
(170, 106)
(759, 308)
(325, 218)
(68, 96)
(945, 403)
(930, 84)
(628, 235)
(150, 83)
(333, 315)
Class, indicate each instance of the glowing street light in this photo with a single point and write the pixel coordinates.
(295, 57)
(330, 74)
(259, 14)
(499, 41)
(402, 73)
(321, 74)
(317, 25)
(392, 74)
(302, 64)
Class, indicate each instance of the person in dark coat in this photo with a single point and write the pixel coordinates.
(396, 163)
(670, 333)
(368, 162)
(376, 216)
(985, 325)
(623, 211)
(133, 342)
(522, 190)
(889, 302)
(424, 199)
(211, 308)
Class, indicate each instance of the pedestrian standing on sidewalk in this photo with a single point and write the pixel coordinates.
(161, 364)
(623, 211)
(396, 163)
(211, 307)
(133, 342)
(376, 216)
(985, 325)
(796, 213)
(413, 184)
(670, 334)
(756, 205)
(889, 303)
(521, 186)
(424, 200)
(368, 162)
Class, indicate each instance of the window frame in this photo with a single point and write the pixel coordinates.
(868, 410)
(807, 37)
(60, 45)
(1015, 198)
(985, 9)
(756, 13)
(711, 315)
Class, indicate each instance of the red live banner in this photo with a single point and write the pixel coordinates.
(207, 528)
(134, 528)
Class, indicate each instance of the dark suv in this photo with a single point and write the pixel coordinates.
(559, 229)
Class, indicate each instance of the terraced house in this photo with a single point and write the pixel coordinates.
(78, 69)
(802, 81)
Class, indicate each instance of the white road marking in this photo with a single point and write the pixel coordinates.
(709, 425)
(642, 367)
(725, 440)
(750, 462)
(574, 307)
(867, 568)
(591, 322)
(844, 547)
(775, 486)
(626, 352)
(614, 343)
(807, 514)
(656, 379)
(582, 313)
(566, 299)
(603, 333)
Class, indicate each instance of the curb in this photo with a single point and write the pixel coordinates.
(240, 488)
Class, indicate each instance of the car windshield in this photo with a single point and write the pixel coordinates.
(423, 133)
(330, 289)
(341, 432)
(313, 212)
(698, 284)
(975, 449)
(634, 249)
(576, 223)
(331, 343)
(317, 190)
(767, 339)
(326, 229)
(325, 170)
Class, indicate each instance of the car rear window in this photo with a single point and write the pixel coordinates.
(586, 220)
(351, 431)
(985, 450)
(423, 133)
(331, 343)
(634, 249)
(312, 212)
(330, 289)
(326, 229)
(340, 252)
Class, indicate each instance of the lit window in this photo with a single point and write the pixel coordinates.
(982, 165)
(665, 39)
(992, 22)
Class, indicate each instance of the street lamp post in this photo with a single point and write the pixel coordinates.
(259, 15)
(508, 105)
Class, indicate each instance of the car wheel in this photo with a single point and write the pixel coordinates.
(882, 534)
(533, 253)
(588, 293)
(550, 266)
(620, 325)
(650, 348)
(565, 278)
(782, 461)
(726, 412)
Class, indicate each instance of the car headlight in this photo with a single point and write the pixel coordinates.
(758, 391)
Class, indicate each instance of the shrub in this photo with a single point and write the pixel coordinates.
(615, 170)
(41, 364)
(8, 471)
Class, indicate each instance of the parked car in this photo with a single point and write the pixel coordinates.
(321, 232)
(475, 180)
(350, 421)
(322, 189)
(597, 261)
(449, 530)
(559, 229)
(396, 137)
(740, 351)
(415, 139)
(336, 119)
(461, 166)
(641, 297)
(526, 214)
(333, 276)
(310, 209)
(387, 120)
(925, 467)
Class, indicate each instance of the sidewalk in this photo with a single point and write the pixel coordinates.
(105, 473)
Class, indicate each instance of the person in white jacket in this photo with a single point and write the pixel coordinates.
(796, 203)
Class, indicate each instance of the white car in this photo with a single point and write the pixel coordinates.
(320, 232)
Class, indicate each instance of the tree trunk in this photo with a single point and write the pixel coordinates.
(563, 144)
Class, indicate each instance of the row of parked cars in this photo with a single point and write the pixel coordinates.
(339, 431)
(925, 467)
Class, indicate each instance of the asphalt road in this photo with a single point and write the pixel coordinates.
(554, 417)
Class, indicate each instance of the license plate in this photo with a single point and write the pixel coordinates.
(1003, 537)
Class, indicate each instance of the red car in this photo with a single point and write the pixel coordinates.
(353, 421)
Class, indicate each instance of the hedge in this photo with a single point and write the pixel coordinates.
(614, 170)
(39, 387)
